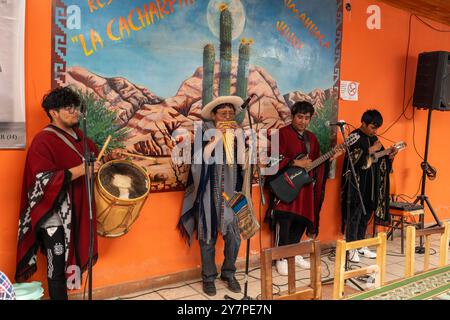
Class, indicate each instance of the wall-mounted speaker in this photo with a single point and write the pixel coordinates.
(432, 86)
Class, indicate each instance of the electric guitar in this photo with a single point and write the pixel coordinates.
(373, 158)
(286, 185)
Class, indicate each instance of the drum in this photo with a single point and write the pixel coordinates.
(120, 190)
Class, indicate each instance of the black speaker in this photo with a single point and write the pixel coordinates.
(432, 87)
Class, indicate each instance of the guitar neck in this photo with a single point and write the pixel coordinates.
(380, 154)
(321, 159)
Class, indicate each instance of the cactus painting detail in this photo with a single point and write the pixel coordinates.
(243, 68)
(226, 23)
(208, 73)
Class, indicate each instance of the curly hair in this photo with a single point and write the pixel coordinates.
(58, 98)
(302, 107)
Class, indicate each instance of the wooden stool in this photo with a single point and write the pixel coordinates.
(403, 214)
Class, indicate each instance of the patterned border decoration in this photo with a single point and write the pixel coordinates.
(428, 285)
(59, 43)
(337, 51)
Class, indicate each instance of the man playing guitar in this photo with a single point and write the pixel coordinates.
(291, 220)
(373, 180)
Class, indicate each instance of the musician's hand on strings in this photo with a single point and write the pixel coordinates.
(394, 152)
(376, 147)
(302, 163)
(340, 150)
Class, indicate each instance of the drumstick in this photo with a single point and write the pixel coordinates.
(100, 155)
(138, 156)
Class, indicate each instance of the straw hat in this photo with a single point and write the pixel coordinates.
(233, 100)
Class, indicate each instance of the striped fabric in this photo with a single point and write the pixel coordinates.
(6, 288)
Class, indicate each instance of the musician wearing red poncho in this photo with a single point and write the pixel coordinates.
(291, 220)
(54, 213)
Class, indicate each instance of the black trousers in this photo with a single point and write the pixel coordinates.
(53, 241)
(289, 229)
(357, 225)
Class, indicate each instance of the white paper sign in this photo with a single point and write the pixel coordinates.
(349, 90)
(12, 92)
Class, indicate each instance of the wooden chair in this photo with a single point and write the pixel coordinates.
(412, 233)
(340, 274)
(313, 291)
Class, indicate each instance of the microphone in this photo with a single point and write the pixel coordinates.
(83, 108)
(339, 123)
(240, 116)
(247, 101)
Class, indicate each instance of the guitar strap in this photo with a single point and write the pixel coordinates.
(305, 139)
(65, 140)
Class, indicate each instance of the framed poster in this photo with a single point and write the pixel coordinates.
(146, 68)
(12, 84)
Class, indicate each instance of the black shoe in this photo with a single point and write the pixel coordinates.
(233, 284)
(209, 288)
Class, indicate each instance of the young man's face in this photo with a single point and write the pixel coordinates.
(300, 121)
(369, 129)
(67, 117)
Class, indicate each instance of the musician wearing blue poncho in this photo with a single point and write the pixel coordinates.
(204, 209)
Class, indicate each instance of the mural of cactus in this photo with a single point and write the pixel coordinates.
(226, 23)
(208, 73)
(243, 69)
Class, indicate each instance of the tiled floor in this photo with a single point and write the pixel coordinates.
(193, 290)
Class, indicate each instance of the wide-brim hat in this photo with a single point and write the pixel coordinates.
(233, 100)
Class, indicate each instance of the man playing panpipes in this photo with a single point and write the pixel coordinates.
(204, 208)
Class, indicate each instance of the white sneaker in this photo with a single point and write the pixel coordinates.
(302, 263)
(282, 267)
(353, 255)
(367, 253)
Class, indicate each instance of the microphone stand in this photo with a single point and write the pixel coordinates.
(89, 159)
(263, 202)
(423, 198)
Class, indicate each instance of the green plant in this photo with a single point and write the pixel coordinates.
(318, 127)
(100, 122)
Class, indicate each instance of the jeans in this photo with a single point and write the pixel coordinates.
(208, 252)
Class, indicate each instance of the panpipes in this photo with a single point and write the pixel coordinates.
(228, 139)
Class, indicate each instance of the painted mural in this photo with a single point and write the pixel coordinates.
(145, 68)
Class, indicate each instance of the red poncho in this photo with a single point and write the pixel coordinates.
(47, 189)
(309, 201)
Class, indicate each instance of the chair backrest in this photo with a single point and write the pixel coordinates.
(379, 268)
(313, 291)
(412, 233)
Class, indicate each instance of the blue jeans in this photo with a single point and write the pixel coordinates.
(208, 252)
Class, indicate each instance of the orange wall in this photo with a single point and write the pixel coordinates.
(375, 58)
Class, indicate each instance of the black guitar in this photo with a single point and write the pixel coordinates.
(286, 185)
